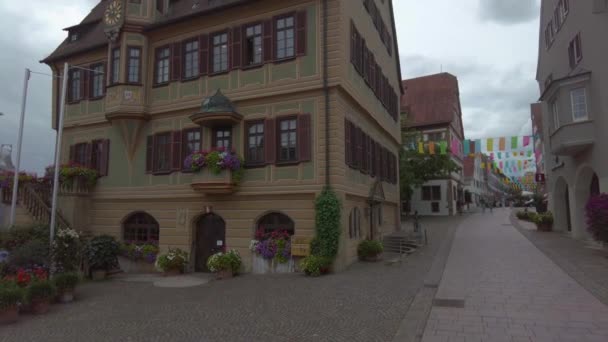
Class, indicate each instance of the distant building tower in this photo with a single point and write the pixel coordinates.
(6, 162)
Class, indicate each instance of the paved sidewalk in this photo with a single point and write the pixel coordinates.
(587, 265)
(497, 286)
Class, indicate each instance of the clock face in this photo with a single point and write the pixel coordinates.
(113, 13)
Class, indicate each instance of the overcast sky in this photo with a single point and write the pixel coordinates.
(490, 45)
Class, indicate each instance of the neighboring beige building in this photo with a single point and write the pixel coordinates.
(291, 104)
(573, 79)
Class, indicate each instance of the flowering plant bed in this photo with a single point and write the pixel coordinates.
(25, 276)
(216, 161)
(272, 252)
(174, 261)
(597, 217)
(74, 176)
(225, 264)
(143, 252)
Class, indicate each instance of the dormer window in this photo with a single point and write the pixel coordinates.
(73, 36)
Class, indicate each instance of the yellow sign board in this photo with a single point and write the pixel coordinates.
(300, 246)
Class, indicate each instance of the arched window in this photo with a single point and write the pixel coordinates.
(354, 223)
(140, 228)
(276, 222)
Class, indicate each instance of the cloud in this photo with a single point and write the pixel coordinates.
(495, 102)
(508, 12)
(35, 28)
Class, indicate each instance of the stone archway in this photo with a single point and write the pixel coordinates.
(561, 206)
(582, 192)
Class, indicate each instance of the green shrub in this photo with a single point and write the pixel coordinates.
(526, 215)
(67, 250)
(18, 236)
(225, 261)
(174, 260)
(34, 252)
(10, 295)
(39, 290)
(369, 248)
(545, 218)
(101, 252)
(314, 265)
(327, 221)
(66, 281)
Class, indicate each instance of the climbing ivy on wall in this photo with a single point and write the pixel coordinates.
(327, 220)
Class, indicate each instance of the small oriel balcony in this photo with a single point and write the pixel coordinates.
(573, 138)
(209, 183)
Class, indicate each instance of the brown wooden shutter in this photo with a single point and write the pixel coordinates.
(578, 47)
(364, 164)
(359, 148)
(85, 85)
(229, 45)
(176, 151)
(267, 40)
(72, 153)
(176, 61)
(103, 157)
(304, 138)
(571, 54)
(150, 154)
(88, 162)
(237, 52)
(347, 143)
(372, 161)
(274, 39)
(204, 54)
(353, 44)
(364, 70)
(270, 150)
(301, 33)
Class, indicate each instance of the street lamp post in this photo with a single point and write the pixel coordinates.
(19, 142)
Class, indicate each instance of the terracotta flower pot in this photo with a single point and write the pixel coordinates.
(98, 275)
(172, 273)
(66, 296)
(544, 227)
(224, 274)
(9, 316)
(40, 306)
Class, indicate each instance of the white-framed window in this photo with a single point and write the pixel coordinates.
(555, 113)
(578, 97)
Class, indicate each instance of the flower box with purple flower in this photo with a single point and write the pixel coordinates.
(272, 252)
(138, 257)
(216, 171)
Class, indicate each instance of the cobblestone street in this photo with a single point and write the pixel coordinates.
(497, 286)
(365, 303)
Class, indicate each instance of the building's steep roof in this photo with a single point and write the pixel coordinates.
(431, 100)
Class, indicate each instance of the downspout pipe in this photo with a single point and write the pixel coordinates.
(326, 91)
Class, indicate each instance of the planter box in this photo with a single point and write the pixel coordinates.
(224, 274)
(9, 316)
(544, 227)
(263, 266)
(208, 182)
(78, 185)
(130, 266)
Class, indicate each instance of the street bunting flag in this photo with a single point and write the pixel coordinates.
(420, 147)
(467, 148)
(490, 145)
(514, 143)
(431, 147)
(526, 141)
(443, 147)
(502, 144)
(478, 146)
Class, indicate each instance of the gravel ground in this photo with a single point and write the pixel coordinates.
(364, 303)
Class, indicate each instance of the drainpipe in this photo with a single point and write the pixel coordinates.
(326, 92)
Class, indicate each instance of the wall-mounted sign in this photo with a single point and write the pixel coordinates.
(540, 178)
(300, 246)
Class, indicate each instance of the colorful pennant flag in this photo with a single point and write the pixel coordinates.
(478, 146)
(490, 145)
(526, 140)
(443, 147)
(431, 148)
(502, 144)
(514, 142)
(467, 148)
(420, 147)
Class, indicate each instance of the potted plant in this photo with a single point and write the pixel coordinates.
(39, 294)
(173, 262)
(216, 161)
(597, 217)
(11, 296)
(101, 254)
(225, 265)
(370, 250)
(75, 177)
(138, 257)
(65, 284)
(271, 252)
(544, 222)
(315, 265)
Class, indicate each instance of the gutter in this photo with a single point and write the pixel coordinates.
(326, 91)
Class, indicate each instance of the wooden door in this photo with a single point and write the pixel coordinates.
(210, 239)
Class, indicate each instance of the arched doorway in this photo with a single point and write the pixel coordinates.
(561, 206)
(586, 185)
(210, 238)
